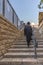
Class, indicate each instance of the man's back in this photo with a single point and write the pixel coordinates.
(28, 33)
(28, 30)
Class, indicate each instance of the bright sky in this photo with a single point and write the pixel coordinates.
(27, 10)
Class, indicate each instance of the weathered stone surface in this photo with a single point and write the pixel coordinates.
(8, 34)
(19, 53)
(41, 29)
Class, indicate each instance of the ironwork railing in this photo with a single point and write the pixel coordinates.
(8, 12)
(35, 45)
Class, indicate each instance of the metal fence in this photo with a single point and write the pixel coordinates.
(8, 12)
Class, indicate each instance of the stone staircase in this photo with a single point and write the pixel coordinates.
(20, 54)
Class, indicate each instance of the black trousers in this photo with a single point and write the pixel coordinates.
(28, 39)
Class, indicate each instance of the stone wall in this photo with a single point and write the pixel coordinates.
(41, 29)
(40, 17)
(8, 35)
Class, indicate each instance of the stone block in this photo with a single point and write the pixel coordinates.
(8, 34)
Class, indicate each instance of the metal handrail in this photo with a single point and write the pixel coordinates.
(35, 45)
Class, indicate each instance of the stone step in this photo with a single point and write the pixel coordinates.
(23, 55)
(25, 50)
(21, 40)
(39, 54)
(21, 50)
(19, 61)
(40, 43)
(39, 40)
(20, 43)
(25, 43)
(25, 46)
(21, 46)
(19, 55)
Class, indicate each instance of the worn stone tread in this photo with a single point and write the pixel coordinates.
(21, 53)
(18, 60)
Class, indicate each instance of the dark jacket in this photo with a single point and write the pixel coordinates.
(28, 31)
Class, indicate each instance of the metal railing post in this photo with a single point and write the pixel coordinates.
(17, 22)
(35, 46)
(3, 7)
(7, 9)
(13, 17)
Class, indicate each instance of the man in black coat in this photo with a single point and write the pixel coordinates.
(28, 32)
